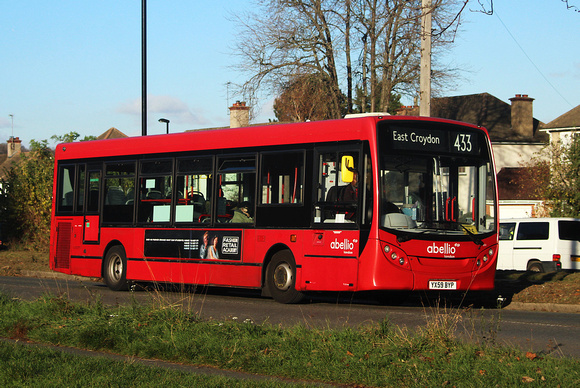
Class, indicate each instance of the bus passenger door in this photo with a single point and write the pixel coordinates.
(91, 221)
(91, 229)
(331, 260)
(331, 256)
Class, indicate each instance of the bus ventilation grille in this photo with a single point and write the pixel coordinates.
(64, 231)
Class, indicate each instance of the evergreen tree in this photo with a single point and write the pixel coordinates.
(27, 197)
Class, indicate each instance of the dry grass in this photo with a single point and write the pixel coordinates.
(13, 262)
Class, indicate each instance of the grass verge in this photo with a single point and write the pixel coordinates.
(13, 262)
(378, 355)
(31, 366)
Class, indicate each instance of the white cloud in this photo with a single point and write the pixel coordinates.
(169, 107)
(567, 72)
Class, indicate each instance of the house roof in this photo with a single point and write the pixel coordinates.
(487, 111)
(111, 133)
(570, 119)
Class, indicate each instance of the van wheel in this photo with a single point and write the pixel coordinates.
(535, 267)
(115, 269)
(281, 278)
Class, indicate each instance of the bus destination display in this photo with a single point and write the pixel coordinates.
(433, 140)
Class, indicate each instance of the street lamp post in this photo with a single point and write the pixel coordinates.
(166, 123)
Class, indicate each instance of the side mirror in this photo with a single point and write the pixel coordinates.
(347, 168)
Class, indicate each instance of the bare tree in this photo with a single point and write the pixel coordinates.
(285, 39)
(390, 53)
(304, 99)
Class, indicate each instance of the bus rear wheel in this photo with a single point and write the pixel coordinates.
(115, 269)
(281, 278)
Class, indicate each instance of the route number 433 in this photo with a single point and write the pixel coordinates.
(463, 142)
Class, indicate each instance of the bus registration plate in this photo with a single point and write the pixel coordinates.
(442, 285)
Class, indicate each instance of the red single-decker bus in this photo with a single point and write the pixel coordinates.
(359, 204)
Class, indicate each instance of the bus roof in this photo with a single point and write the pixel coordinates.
(231, 138)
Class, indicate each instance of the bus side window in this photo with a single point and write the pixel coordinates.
(155, 191)
(81, 188)
(236, 188)
(93, 189)
(193, 187)
(119, 181)
(282, 178)
(66, 188)
(337, 191)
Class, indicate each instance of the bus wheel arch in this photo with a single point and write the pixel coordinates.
(280, 276)
(267, 259)
(114, 268)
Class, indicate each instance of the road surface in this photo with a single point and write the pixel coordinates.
(539, 332)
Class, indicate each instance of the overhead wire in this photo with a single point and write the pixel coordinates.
(530, 59)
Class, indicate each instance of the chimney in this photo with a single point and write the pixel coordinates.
(522, 115)
(412, 110)
(239, 115)
(14, 144)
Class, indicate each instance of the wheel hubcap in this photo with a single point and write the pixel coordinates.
(116, 268)
(283, 276)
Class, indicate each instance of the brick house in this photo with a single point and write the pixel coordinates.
(563, 128)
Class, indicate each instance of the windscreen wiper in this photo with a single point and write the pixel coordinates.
(473, 237)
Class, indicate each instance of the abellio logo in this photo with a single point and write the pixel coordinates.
(345, 245)
(445, 249)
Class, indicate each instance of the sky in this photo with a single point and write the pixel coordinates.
(70, 65)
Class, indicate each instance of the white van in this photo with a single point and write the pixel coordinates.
(539, 244)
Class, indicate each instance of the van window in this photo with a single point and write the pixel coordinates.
(533, 231)
(569, 230)
(506, 230)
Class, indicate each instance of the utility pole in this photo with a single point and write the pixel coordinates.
(144, 67)
(425, 77)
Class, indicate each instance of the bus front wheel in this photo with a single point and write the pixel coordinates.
(281, 278)
(115, 269)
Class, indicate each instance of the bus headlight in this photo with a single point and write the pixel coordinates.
(396, 256)
(484, 259)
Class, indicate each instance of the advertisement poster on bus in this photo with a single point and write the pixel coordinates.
(194, 244)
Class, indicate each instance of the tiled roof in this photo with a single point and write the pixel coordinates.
(487, 111)
(111, 133)
(570, 119)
